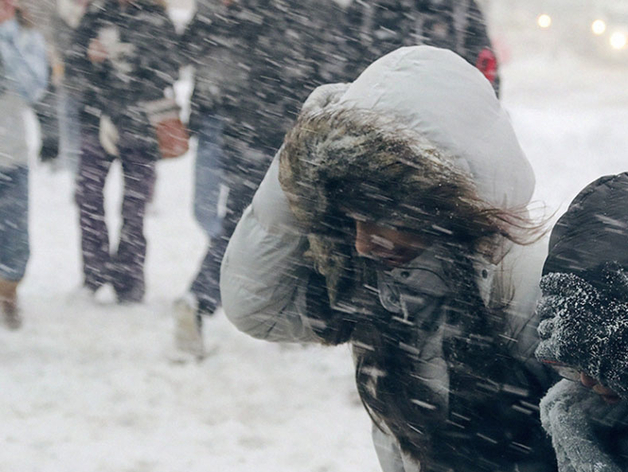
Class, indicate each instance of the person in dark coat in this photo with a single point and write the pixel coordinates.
(256, 62)
(124, 59)
(57, 110)
(41, 14)
(584, 329)
(375, 28)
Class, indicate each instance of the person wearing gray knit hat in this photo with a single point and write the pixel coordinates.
(584, 329)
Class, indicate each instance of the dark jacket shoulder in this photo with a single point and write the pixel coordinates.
(592, 231)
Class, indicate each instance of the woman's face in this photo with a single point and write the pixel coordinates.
(392, 247)
(607, 394)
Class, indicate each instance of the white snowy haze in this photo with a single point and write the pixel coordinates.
(93, 388)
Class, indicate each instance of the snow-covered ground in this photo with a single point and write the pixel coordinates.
(92, 387)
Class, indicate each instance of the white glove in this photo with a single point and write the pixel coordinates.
(108, 136)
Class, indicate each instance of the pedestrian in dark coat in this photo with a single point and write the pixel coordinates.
(124, 58)
(584, 329)
(386, 223)
(256, 62)
(57, 110)
(42, 15)
(377, 27)
(67, 19)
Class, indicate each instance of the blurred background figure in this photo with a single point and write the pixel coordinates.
(67, 18)
(375, 28)
(255, 63)
(57, 110)
(123, 60)
(42, 14)
(23, 78)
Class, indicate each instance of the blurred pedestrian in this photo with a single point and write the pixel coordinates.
(255, 62)
(42, 14)
(124, 58)
(584, 329)
(67, 18)
(23, 78)
(57, 110)
(386, 223)
(377, 27)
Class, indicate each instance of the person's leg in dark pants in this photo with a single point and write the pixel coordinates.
(210, 203)
(14, 241)
(94, 166)
(204, 297)
(206, 286)
(138, 166)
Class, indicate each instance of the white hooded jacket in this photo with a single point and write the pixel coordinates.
(438, 95)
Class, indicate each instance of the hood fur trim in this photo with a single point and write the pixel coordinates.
(336, 153)
(339, 161)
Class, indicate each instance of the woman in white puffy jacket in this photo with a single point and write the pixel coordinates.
(394, 218)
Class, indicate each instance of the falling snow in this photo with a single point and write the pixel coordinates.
(93, 386)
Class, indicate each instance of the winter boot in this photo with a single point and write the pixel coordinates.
(8, 304)
(188, 327)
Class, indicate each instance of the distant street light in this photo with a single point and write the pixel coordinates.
(618, 40)
(544, 20)
(598, 27)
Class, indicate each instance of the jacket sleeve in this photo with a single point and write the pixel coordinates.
(389, 454)
(158, 57)
(197, 39)
(78, 65)
(264, 276)
(81, 76)
(23, 53)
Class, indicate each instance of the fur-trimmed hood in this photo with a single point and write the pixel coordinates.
(434, 97)
(418, 140)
